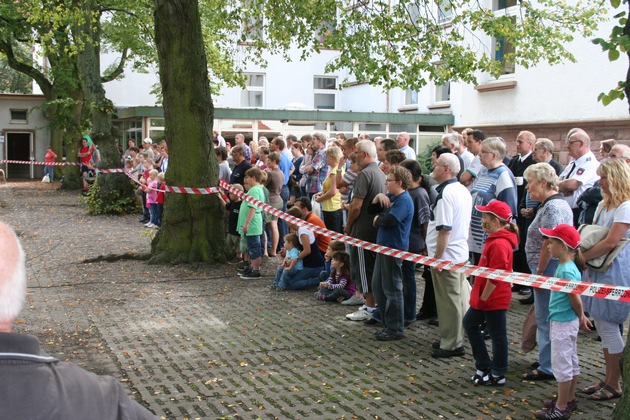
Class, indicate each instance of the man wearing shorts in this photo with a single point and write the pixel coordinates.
(369, 183)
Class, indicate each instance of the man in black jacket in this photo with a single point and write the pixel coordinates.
(524, 157)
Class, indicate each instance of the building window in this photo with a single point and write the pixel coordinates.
(19, 116)
(502, 48)
(445, 10)
(325, 90)
(443, 92)
(411, 97)
(254, 94)
(503, 4)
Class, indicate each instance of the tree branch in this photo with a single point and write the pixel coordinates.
(118, 70)
(24, 68)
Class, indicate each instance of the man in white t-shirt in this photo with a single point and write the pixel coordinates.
(403, 143)
(447, 238)
(581, 173)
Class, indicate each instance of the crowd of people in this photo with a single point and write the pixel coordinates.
(477, 205)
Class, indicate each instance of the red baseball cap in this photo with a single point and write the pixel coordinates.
(566, 233)
(498, 209)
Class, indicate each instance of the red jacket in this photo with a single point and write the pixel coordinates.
(497, 253)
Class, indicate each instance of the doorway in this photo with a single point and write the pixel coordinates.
(19, 146)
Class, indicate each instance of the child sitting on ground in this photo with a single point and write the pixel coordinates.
(291, 263)
(339, 285)
(333, 246)
(233, 237)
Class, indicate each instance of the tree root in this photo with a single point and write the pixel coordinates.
(118, 257)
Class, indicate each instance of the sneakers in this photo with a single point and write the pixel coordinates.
(353, 301)
(488, 379)
(554, 413)
(242, 267)
(149, 225)
(573, 404)
(361, 315)
(251, 275)
(477, 378)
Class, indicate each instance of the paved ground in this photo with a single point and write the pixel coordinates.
(201, 343)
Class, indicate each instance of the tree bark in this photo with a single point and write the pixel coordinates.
(193, 226)
(98, 108)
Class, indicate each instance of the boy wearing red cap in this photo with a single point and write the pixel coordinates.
(490, 299)
(566, 316)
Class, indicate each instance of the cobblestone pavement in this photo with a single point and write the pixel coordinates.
(198, 342)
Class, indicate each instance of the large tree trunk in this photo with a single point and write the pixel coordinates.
(193, 226)
(111, 187)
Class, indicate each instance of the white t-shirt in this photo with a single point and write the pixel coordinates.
(305, 231)
(467, 157)
(451, 211)
(584, 170)
(474, 169)
(409, 152)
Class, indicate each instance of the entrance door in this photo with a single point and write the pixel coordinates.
(19, 147)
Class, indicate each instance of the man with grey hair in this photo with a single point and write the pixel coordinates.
(581, 173)
(543, 152)
(620, 151)
(35, 385)
(447, 239)
(403, 143)
(495, 181)
(451, 140)
(239, 140)
(370, 182)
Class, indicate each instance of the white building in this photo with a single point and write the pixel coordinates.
(300, 97)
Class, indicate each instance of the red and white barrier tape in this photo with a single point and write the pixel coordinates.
(32, 162)
(605, 291)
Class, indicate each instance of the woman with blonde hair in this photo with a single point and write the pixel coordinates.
(330, 196)
(612, 212)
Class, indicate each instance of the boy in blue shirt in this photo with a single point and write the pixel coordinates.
(394, 226)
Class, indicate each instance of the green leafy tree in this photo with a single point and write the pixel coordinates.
(618, 43)
(69, 35)
(12, 81)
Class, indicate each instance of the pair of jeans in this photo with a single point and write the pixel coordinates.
(409, 290)
(283, 229)
(333, 220)
(152, 215)
(279, 272)
(159, 208)
(387, 286)
(541, 312)
(50, 171)
(496, 324)
(306, 277)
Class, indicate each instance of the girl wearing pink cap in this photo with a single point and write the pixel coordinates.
(490, 299)
(566, 316)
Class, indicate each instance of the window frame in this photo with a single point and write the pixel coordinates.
(252, 89)
(320, 91)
